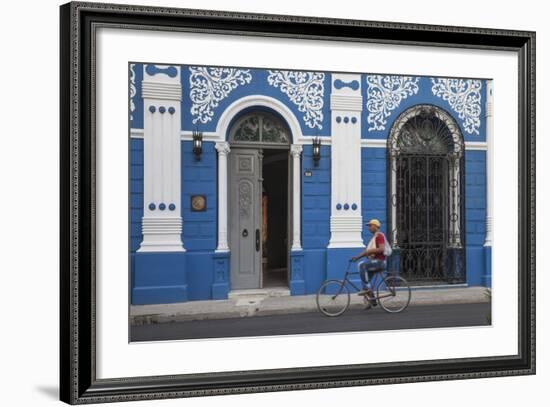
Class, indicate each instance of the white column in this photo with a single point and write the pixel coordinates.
(223, 150)
(296, 151)
(346, 104)
(489, 162)
(161, 221)
(394, 203)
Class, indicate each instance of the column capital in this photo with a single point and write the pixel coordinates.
(222, 147)
(296, 149)
(161, 82)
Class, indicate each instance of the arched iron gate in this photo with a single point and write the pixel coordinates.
(426, 196)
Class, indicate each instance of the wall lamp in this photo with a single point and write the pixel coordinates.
(197, 144)
(316, 150)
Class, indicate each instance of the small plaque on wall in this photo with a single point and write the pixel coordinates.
(198, 203)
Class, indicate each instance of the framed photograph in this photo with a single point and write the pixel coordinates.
(256, 202)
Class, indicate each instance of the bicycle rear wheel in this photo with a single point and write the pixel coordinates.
(393, 294)
(333, 298)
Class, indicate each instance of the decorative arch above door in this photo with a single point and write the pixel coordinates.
(260, 127)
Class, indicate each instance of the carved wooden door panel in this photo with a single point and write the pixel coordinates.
(245, 217)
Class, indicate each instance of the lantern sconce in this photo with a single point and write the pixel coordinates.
(197, 144)
(316, 150)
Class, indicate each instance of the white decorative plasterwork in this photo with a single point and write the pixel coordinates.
(162, 223)
(464, 97)
(384, 94)
(132, 90)
(345, 161)
(305, 90)
(209, 86)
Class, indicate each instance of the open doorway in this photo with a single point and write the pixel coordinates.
(275, 218)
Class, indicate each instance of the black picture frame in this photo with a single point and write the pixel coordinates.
(78, 382)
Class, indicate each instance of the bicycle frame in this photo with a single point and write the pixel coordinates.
(379, 274)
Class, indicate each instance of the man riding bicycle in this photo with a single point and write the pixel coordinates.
(376, 259)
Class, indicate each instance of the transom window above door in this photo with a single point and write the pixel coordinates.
(260, 127)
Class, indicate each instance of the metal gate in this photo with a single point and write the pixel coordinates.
(426, 208)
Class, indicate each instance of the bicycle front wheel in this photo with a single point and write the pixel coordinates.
(394, 294)
(333, 298)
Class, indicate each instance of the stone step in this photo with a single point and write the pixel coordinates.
(259, 292)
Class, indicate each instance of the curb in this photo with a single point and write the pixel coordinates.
(255, 305)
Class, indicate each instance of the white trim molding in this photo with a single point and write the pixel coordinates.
(382, 143)
(345, 202)
(187, 135)
(246, 102)
(161, 221)
(476, 145)
(223, 149)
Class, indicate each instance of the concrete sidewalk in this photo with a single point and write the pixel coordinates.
(276, 301)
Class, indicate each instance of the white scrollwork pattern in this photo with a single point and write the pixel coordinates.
(305, 90)
(384, 94)
(209, 86)
(464, 97)
(132, 90)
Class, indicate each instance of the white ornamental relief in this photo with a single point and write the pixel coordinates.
(132, 90)
(464, 97)
(305, 90)
(209, 86)
(384, 94)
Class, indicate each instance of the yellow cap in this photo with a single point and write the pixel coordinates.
(374, 222)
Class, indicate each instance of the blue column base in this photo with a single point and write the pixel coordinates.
(220, 287)
(486, 279)
(158, 278)
(393, 263)
(456, 267)
(337, 263)
(297, 282)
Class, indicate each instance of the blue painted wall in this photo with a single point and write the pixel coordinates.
(136, 116)
(424, 96)
(315, 199)
(200, 273)
(373, 188)
(315, 216)
(199, 177)
(374, 203)
(258, 85)
(136, 192)
(476, 203)
(199, 228)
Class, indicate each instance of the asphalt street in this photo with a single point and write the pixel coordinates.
(374, 319)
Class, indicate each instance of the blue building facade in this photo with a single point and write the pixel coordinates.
(242, 179)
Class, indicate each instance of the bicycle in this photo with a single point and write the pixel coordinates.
(393, 292)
